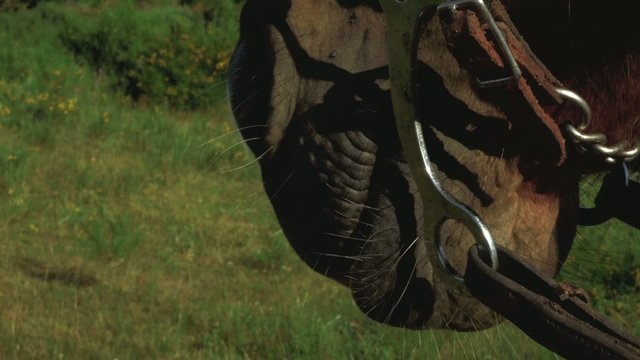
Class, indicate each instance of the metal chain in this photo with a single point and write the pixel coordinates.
(596, 143)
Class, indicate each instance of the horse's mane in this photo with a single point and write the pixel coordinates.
(614, 94)
(595, 51)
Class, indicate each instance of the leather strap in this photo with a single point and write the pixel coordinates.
(553, 314)
(617, 198)
(470, 41)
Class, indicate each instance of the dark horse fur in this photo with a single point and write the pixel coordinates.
(309, 85)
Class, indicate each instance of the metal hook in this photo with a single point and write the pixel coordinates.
(402, 24)
(503, 46)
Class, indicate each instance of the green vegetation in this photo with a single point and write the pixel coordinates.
(606, 261)
(165, 53)
(132, 219)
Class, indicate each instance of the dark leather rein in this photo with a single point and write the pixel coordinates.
(484, 41)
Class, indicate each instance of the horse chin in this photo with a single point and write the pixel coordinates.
(318, 113)
(533, 216)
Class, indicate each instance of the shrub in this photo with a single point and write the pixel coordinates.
(40, 84)
(14, 5)
(173, 54)
(50, 102)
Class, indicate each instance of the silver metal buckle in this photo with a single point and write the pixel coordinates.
(505, 51)
(402, 23)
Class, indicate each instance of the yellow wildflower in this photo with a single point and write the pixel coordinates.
(72, 104)
(222, 65)
(171, 91)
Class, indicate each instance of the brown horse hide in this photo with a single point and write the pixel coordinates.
(593, 47)
(309, 86)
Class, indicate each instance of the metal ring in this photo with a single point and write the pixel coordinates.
(442, 255)
(402, 18)
(630, 154)
(618, 151)
(614, 150)
(582, 140)
(503, 47)
(581, 103)
(485, 244)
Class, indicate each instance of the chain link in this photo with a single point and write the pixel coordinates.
(596, 143)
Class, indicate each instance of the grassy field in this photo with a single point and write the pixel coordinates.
(132, 219)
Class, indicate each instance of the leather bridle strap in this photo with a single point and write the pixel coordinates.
(617, 198)
(475, 49)
(548, 312)
(553, 314)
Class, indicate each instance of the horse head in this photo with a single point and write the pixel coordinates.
(309, 85)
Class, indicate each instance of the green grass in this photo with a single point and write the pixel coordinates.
(133, 230)
(605, 260)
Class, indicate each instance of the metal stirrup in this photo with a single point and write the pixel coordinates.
(514, 69)
(402, 23)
